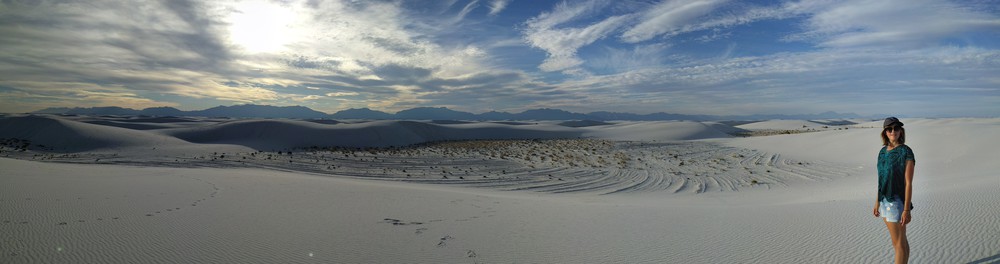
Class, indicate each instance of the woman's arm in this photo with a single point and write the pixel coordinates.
(909, 192)
(875, 209)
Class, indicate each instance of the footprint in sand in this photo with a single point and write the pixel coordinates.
(443, 239)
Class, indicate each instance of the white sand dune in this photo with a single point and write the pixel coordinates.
(278, 134)
(62, 135)
(840, 121)
(659, 131)
(780, 124)
(584, 123)
(725, 128)
(145, 123)
(289, 134)
(605, 201)
(948, 144)
(71, 136)
(82, 133)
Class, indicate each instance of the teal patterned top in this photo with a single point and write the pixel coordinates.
(891, 172)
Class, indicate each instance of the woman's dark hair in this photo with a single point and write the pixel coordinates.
(901, 140)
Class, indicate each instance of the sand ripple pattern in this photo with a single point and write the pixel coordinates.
(548, 166)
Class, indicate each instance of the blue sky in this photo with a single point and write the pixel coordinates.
(925, 58)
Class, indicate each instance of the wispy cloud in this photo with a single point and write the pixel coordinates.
(339, 94)
(668, 17)
(496, 6)
(904, 24)
(564, 12)
(561, 44)
(809, 81)
(465, 10)
(37, 95)
(618, 60)
(665, 19)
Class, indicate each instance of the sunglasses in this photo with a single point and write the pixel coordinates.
(894, 129)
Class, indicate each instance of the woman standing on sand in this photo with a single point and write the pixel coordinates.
(895, 188)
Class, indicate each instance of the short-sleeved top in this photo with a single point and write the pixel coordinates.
(892, 172)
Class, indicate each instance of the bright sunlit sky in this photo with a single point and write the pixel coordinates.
(906, 57)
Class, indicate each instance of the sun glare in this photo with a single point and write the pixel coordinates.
(260, 27)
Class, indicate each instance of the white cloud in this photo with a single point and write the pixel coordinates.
(339, 94)
(309, 97)
(498, 5)
(561, 44)
(667, 18)
(465, 10)
(617, 60)
(563, 12)
(902, 24)
(739, 17)
(373, 34)
(838, 80)
(32, 95)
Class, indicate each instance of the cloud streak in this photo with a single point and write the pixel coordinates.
(813, 81)
(905, 24)
(496, 6)
(561, 44)
(667, 18)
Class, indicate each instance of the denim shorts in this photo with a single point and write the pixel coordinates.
(891, 209)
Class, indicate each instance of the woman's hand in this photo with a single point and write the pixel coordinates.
(875, 210)
(905, 218)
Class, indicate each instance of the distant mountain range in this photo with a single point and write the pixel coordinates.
(420, 113)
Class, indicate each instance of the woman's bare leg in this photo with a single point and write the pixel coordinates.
(897, 232)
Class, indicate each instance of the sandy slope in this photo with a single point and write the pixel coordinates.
(62, 135)
(642, 211)
(659, 131)
(941, 146)
(282, 134)
(781, 124)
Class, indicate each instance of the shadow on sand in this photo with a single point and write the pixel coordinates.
(987, 260)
